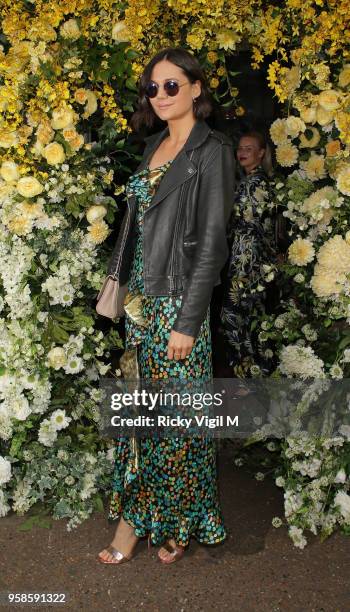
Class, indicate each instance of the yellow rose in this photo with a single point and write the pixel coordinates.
(294, 125)
(301, 252)
(29, 186)
(323, 116)
(69, 133)
(91, 105)
(80, 95)
(324, 283)
(308, 114)
(240, 111)
(54, 153)
(314, 167)
(77, 142)
(62, 117)
(329, 100)
(9, 171)
(45, 133)
(8, 139)
(95, 213)
(120, 32)
(214, 83)
(344, 76)
(70, 29)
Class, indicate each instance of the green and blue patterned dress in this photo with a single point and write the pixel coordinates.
(172, 491)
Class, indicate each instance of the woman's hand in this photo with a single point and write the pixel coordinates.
(179, 345)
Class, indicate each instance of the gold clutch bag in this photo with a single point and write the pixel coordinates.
(110, 300)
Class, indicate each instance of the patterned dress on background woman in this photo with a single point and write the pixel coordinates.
(251, 238)
(171, 491)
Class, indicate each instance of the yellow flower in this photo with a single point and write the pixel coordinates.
(329, 100)
(286, 155)
(319, 205)
(77, 142)
(333, 148)
(343, 181)
(69, 133)
(54, 153)
(292, 78)
(29, 186)
(91, 105)
(8, 138)
(311, 142)
(240, 111)
(212, 57)
(214, 83)
(95, 213)
(98, 231)
(278, 132)
(221, 71)
(120, 32)
(323, 116)
(227, 39)
(70, 30)
(325, 283)
(62, 118)
(344, 76)
(45, 133)
(80, 95)
(9, 171)
(32, 211)
(294, 125)
(334, 255)
(301, 252)
(20, 225)
(314, 167)
(308, 114)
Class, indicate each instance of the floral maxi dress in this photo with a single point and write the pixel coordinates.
(172, 492)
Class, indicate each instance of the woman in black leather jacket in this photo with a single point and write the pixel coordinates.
(169, 252)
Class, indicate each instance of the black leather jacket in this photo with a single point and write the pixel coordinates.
(185, 245)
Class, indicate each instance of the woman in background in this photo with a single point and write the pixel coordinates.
(251, 239)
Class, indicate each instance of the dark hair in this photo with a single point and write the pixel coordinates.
(145, 115)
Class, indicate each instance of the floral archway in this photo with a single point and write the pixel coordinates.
(68, 74)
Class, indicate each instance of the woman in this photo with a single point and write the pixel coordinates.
(170, 251)
(252, 242)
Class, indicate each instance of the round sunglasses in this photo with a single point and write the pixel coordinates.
(171, 88)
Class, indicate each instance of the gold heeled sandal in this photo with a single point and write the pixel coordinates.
(176, 553)
(118, 557)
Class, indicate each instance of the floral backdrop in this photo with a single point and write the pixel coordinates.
(68, 74)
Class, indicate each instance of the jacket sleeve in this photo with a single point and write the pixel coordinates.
(215, 198)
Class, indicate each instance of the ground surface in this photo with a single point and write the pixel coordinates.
(256, 570)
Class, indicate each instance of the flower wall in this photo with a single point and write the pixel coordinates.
(68, 73)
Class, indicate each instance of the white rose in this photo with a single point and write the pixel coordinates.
(5, 471)
(95, 213)
(57, 358)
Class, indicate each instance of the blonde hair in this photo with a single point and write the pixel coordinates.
(266, 161)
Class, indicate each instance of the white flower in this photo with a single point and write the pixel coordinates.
(276, 522)
(259, 476)
(296, 535)
(56, 358)
(5, 470)
(300, 361)
(340, 476)
(336, 372)
(280, 481)
(342, 500)
(47, 433)
(59, 419)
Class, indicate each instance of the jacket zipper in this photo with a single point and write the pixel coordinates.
(176, 231)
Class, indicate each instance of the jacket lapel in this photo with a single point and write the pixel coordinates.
(182, 168)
